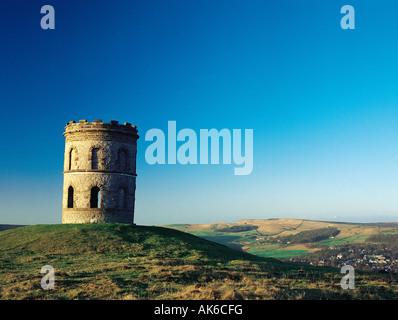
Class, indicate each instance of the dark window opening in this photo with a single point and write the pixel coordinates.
(122, 160)
(95, 200)
(71, 158)
(70, 197)
(122, 199)
(94, 158)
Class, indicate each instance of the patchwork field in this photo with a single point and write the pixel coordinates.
(294, 238)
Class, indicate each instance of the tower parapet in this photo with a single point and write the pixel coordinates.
(99, 172)
(99, 126)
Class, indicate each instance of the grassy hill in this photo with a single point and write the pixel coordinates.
(108, 261)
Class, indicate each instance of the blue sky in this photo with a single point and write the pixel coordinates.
(322, 101)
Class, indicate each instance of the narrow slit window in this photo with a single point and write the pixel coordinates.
(70, 197)
(122, 199)
(122, 160)
(94, 158)
(72, 153)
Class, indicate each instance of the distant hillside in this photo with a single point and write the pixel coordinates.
(307, 241)
(103, 261)
(9, 226)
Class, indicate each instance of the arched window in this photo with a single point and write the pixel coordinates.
(94, 158)
(72, 158)
(122, 160)
(95, 199)
(122, 198)
(70, 197)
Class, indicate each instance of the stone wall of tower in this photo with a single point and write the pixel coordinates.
(99, 155)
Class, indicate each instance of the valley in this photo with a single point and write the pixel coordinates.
(366, 246)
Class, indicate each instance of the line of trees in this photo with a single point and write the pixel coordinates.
(310, 235)
(241, 228)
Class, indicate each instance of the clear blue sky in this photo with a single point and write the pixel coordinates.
(322, 101)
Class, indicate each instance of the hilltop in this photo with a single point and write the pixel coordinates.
(368, 246)
(9, 226)
(117, 261)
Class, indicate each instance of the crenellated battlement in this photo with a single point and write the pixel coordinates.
(98, 125)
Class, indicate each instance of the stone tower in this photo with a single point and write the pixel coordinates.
(99, 172)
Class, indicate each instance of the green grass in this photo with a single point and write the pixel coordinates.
(279, 254)
(346, 240)
(109, 261)
(178, 226)
(223, 238)
(232, 240)
(275, 251)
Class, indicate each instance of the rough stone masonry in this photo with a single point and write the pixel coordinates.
(99, 172)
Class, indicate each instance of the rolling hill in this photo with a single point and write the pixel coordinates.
(9, 226)
(305, 240)
(116, 261)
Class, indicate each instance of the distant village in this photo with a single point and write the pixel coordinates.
(359, 258)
